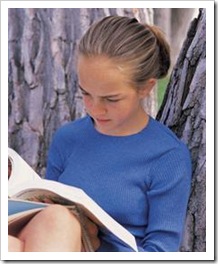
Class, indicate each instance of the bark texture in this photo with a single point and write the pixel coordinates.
(184, 111)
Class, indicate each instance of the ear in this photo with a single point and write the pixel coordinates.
(147, 87)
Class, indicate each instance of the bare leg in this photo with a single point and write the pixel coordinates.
(15, 244)
(54, 229)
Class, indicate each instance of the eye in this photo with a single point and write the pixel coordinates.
(112, 100)
(84, 93)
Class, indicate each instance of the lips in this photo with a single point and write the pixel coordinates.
(102, 121)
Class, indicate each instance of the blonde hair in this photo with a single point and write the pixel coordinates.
(143, 48)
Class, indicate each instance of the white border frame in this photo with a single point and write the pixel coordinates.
(209, 254)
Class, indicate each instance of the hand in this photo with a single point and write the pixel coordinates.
(92, 230)
(41, 200)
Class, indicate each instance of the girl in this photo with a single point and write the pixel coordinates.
(130, 164)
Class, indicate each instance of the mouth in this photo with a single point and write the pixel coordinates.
(102, 121)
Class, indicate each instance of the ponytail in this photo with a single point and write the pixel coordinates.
(164, 50)
(141, 48)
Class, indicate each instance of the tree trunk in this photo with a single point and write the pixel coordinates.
(184, 111)
(180, 20)
(43, 92)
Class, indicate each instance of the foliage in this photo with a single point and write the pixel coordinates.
(161, 86)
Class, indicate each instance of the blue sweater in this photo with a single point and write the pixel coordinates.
(142, 180)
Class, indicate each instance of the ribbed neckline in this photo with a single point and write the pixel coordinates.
(96, 132)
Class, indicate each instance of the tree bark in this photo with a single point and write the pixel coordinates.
(180, 20)
(43, 89)
(184, 111)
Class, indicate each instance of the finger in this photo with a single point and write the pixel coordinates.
(92, 228)
(96, 243)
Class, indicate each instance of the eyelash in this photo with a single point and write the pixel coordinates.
(112, 100)
(107, 99)
(84, 93)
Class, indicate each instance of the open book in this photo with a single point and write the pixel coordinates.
(25, 186)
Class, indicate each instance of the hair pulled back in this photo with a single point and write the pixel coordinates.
(142, 48)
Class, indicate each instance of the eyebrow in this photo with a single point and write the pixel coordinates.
(105, 96)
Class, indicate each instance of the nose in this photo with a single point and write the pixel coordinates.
(96, 107)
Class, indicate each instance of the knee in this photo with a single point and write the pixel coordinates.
(55, 224)
(15, 244)
(57, 215)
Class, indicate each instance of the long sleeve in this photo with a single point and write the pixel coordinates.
(55, 158)
(170, 180)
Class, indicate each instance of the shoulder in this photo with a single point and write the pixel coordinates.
(169, 148)
(165, 137)
(66, 138)
(71, 129)
(70, 134)
(174, 152)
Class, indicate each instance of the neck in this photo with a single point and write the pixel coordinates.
(137, 125)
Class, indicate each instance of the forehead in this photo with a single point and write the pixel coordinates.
(101, 72)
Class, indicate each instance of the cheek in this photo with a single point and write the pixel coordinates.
(127, 109)
(87, 102)
(121, 110)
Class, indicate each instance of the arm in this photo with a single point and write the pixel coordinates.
(55, 161)
(60, 149)
(57, 156)
(170, 181)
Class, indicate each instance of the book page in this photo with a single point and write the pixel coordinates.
(30, 186)
(75, 195)
(21, 172)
